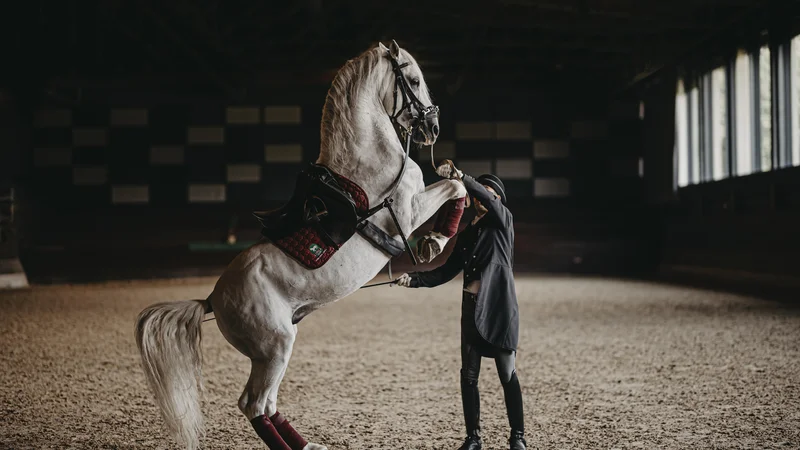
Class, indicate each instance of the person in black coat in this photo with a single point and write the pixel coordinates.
(484, 250)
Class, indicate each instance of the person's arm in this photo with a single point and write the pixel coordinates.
(435, 277)
(495, 207)
(496, 210)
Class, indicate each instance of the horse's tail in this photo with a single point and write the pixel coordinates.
(168, 336)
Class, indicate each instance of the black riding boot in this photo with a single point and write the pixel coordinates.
(517, 440)
(472, 413)
(513, 396)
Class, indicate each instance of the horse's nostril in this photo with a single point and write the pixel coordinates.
(435, 130)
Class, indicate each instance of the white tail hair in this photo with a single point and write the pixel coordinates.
(168, 336)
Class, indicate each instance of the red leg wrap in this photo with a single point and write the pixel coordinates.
(267, 432)
(449, 216)
(287, 432)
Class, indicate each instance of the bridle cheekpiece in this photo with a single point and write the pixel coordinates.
(409, 100)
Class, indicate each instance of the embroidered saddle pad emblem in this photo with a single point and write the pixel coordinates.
(316, 250)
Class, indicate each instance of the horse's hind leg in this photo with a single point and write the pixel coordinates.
(254, 400)
(259, 399)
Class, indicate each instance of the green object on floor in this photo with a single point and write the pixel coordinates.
(217, 246)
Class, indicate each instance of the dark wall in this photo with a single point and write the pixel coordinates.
(746, 226)
(12, 143)
(96, 189)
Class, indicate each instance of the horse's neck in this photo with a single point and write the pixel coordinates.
(370, 158)
(373, 159)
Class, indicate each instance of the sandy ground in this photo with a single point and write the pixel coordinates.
(603, 364)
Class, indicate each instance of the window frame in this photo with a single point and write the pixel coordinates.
(694, 129)
(793, 90)
(755, 107)
(780, 135)
(731, 143)
(771, 43)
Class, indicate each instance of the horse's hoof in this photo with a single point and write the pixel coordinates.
(428, 251)
(430, 246)
(312, 446)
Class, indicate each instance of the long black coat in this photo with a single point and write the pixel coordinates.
(485, 251)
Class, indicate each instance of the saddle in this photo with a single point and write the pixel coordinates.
(323, 213)
(319, 202)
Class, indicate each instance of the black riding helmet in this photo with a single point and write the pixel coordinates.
(495, 183)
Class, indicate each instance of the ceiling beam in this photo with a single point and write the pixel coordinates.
(677, 19)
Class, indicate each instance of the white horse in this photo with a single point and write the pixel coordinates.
(263, 293)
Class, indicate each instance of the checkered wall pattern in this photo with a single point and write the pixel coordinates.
(527, 164)
(173, 155)
(170, 155)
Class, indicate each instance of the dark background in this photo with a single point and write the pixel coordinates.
(580, 92)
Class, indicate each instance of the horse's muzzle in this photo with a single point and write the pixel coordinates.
(427, 129)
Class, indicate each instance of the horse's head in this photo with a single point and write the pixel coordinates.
(406, 97)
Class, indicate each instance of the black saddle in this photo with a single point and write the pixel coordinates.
(318, 201)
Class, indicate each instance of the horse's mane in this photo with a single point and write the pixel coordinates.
(338, 127)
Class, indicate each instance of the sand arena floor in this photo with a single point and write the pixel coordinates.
(603, 364)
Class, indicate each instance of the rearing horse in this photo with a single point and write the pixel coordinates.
(263, 293)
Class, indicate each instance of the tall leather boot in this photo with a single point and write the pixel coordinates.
(470, 398)
(513, 396)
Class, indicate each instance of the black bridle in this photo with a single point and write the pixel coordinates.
(410, 101)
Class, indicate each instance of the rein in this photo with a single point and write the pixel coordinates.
(387, 203)
(403, 133)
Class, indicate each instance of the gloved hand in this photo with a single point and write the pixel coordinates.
(405, 280)
(445, 170)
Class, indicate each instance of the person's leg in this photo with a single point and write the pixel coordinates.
(506, 369)
(470, 369)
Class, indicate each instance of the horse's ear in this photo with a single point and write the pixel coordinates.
(382, 47)
(395, 49)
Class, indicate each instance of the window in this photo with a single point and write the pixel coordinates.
(765, 107)
(719, 124)
(741, 118)
(795, 99)
(744, 114)
(682, 134)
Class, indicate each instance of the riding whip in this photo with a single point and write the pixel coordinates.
(362, 287)
(379, 284)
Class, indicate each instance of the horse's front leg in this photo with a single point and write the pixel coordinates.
(425, 204)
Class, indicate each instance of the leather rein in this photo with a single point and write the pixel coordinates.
(409, 100)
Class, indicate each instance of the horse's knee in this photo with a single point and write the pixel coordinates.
(458, 187)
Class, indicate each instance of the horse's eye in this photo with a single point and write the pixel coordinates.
(414, 82)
